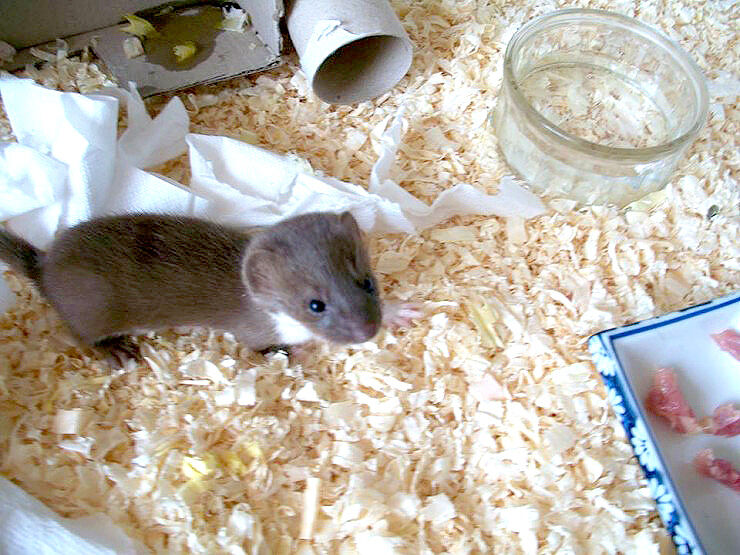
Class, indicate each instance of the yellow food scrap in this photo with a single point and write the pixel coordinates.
(184, 51)
(234, 463)
(648, 202)
(196, 468)
(253, 450)
(484, 320)
(191, 489)
(139, 26)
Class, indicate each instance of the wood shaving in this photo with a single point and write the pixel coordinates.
(481, 428)
(61, 70)
(132, 47)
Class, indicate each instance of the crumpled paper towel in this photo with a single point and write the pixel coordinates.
(28, 527)
(81, 169)
(68, 166)
(248, 185)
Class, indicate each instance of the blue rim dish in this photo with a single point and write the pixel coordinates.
(625, 404)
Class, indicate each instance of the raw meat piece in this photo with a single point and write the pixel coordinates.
(719, 469)
(665, 400)
(725, 420)
(728, 340)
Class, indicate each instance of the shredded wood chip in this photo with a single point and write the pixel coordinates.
(482, 427)
(65, 72)
(132, 47)
(310, 507)
(68, 421)
(234, 19)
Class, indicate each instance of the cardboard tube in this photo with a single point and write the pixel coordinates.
(350, 50)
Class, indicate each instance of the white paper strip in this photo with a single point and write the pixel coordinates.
(28, 527)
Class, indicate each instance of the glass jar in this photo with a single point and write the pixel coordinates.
(596, 106)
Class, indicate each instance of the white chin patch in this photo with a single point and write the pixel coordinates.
(290, 331)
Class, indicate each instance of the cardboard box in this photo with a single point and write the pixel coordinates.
(219, 54)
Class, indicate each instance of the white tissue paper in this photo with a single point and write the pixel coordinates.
(28, 527)
(68, 165)
(247, 185)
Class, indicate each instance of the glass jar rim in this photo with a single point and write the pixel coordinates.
(571, 15)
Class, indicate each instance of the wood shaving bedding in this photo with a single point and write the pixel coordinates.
(483, 427)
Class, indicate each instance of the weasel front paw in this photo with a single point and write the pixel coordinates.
(398, 315)
(120, 349)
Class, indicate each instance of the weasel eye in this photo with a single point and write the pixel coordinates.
(368, 285)
(316, 305)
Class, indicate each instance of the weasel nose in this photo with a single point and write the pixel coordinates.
(364, 331)
(371, 328)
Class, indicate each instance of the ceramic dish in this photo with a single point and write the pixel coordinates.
(699, 513)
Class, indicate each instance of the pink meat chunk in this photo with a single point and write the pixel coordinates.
(666, 400)
(719, 469)
(726, 420)
(728, 340)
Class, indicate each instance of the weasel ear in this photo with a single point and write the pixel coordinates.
(259, 270)
(350, 224)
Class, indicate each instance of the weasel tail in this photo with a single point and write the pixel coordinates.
(21, 255)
